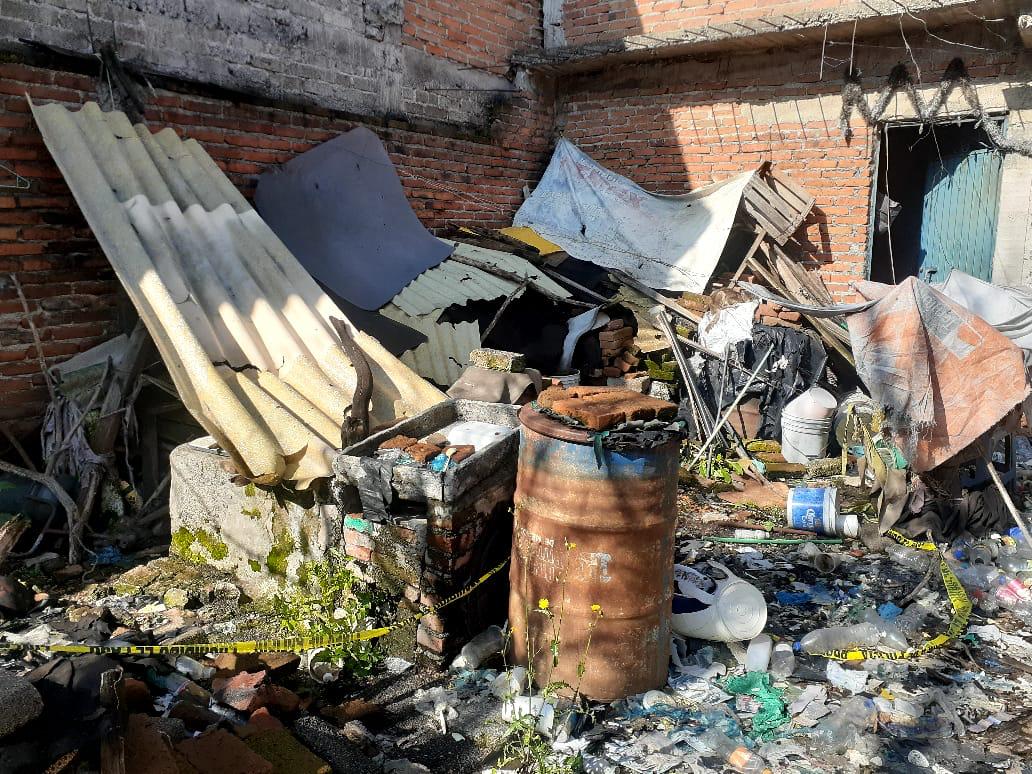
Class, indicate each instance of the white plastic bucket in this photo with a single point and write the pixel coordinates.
(815, 509)
(735, 611)
(815, 403)
(802, 439)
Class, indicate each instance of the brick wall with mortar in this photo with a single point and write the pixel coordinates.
(585, 21)
(451, 174)
(677, 125)
(426, 559)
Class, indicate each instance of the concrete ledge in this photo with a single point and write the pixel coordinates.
(266, 541)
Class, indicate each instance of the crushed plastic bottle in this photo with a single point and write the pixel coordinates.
(480, 648)
(839, 730)
(840, 638)
(757, 657)
(737, 756)
(911, 621)
(782, 661)
(889, 634)
(913, 558)
(193, 669)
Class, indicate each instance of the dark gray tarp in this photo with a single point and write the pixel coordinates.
(341, 210)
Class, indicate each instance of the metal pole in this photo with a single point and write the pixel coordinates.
(732, 407)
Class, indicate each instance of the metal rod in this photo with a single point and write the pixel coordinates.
(732, 407)
(995, 476)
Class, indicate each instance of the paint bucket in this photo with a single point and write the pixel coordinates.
(803, 440)
(815, 509)
(815, 403)
(565, 379)
(733, 612)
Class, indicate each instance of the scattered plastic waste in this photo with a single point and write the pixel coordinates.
(437, 703)
(852, 680)
(757, 657)
(531, 707)
(771, 714)
(734, 611)
(815, 509)
(840, 638)
(510, 683)
(194, 669)
(782, 661)
(841, 727)
(716, 743)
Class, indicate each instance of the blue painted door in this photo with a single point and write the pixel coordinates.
(958, 222)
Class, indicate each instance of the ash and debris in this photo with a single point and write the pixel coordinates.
(964, 707)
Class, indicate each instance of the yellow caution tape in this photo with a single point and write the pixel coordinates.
(958, 623)
(280, 645)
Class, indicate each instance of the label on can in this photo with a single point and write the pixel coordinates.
(808, 510)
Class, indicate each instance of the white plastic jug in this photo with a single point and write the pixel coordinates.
(735, 610)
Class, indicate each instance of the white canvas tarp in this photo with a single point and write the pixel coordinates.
(1007, 309)
(596, 215)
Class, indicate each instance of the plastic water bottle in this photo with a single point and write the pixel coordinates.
(1013, 595)
(840, 638)
(913, 558)
(889, 635)
(737, 756)
(839, 730)
(480, 648)
(976, 576)
(911, 620)
(782, 661)
(757, 657)
(983, 552)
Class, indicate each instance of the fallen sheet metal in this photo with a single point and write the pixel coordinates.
(242, 328)
(420, 304)
(341, 210)
(944, 375)
(665, 242)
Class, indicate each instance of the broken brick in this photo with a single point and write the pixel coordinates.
(241, 692)
(551, 394)
(422, 453)
(786, 314)
(219, 752)
(398, 442)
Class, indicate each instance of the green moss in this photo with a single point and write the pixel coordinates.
(254, 513)
(216, 548)
(255, 565)
(305, 573)
(250, 490)
(281, 549)
(182, 545)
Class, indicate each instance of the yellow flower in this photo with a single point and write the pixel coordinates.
(597, 610)
(543, 604)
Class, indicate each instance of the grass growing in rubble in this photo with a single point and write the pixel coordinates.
(525, 750)
(332, 602)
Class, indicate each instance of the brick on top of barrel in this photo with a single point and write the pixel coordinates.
(600, 408)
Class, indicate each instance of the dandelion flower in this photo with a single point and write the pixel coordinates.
(597, 610)
(543, 604)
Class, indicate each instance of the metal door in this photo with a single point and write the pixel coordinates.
(958, 222)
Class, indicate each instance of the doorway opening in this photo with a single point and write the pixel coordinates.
(936, 201)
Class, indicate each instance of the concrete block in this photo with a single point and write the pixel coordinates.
(247, 530)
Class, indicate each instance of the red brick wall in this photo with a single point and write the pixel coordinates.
(448, 176)
(676, 126)
(483, 33)
(588, 20)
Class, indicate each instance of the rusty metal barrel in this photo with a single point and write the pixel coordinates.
(594, 536)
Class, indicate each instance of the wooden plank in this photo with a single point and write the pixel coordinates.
(802, 194)
(776, 224)
(760, 234)
(659, 299)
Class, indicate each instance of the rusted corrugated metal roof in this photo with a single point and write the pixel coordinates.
(243, 329)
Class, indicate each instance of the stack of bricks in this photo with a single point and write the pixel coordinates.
(768, 313)
(619, 354)
(435, 553)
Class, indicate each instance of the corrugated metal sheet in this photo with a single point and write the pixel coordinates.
(958, 220)
(243, 329)
(446, 353)
(451, 282)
